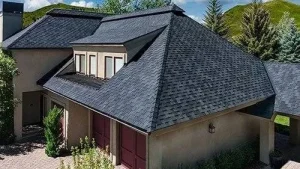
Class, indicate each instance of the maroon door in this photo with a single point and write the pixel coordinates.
(133, 148)
(101, 130)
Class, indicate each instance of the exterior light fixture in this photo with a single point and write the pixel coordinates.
(211, 128)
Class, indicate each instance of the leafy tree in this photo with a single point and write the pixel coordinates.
(117, 6)
(258, 36)
(149, 4)
(53, 132)
(8, 71)
(289, 40)
(214, 18)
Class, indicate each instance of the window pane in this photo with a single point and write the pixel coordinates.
(77, 61)
(119, 62)
(82, 63)
(108, 67)
(93, 65)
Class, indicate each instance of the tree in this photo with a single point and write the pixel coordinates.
(289, 40)
(214, 18)
(53, 132)
(117, 6)
(258, 37)
(8, 71)
(149, 4)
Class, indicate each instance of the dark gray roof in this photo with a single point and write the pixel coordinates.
(286, 81)
(77, 13)
(54, 31)
(121, 31)
(185, 73)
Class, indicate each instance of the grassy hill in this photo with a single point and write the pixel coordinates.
(30, 17)
(276, 8)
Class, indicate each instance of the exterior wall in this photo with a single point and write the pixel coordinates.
(32, 65)
(100, 52)
(192, 142)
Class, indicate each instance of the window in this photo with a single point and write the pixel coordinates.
(93, 65)
(112, 65)
(108, 66)
(80, 63)
(119, 62)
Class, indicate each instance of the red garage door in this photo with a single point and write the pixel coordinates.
(133, 149)
(101, 130)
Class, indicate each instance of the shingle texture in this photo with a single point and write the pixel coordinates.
(186, 72)
(53, 31)
(65, 12)
(286, 81)
(121, 31)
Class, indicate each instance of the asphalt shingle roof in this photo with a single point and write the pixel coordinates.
(185, 73)
(55, 30)
(286, 81)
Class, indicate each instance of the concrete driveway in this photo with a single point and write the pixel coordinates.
(29, 154)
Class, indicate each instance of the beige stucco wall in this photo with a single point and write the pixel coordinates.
(31, 107)
(192, 142)
(100, 52)
(32, 65)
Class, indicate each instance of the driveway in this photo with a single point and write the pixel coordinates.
(29, 154)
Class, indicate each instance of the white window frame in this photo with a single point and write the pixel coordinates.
(90, 65)
(113, 64)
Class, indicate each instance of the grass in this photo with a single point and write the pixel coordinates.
(283, 120)
(233, 16)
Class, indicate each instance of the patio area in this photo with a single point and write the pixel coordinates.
(29, 154)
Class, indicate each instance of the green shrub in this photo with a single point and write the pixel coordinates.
(8, 71)
(236, 158)
(88, 157)
(53, 132)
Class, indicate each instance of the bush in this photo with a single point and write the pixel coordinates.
(237, 158)
(53, 132)
(8, 71)
(88, 157)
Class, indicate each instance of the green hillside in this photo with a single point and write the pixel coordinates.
(276, 8)
(30, 17)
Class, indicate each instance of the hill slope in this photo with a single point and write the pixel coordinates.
(233, 16)
(30, 17)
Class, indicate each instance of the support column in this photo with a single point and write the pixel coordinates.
(267, 139)
(90, 122)
(294, 131)
(114, 142)
(18, 121)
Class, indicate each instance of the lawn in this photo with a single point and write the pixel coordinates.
(283, 120)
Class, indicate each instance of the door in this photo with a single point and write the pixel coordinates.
(101, 130)
(133, 148)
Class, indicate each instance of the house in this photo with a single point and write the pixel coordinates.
(148, 84)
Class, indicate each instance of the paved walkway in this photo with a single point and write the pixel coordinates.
(29, 154)
(291, 165)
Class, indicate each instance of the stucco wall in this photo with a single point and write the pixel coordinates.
(78, 123)
(190, 143)
(32, 65)
(31, 107)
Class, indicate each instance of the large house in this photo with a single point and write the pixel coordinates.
(155, 86)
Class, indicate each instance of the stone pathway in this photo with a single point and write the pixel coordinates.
(291, 165)
(28, 154)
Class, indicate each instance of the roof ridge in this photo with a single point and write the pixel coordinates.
(33, 25)
(144, 12)
(76, 13)
(160, 80)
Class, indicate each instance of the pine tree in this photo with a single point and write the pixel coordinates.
(258, 37)
(214, 18)
(289, 40)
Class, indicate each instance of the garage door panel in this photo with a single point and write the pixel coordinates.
(140, 146)
(140, 163)
(127, 158)
(101, 130)
(128, 136)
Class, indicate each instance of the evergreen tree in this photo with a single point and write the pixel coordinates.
(117, 6)
(289, 40)
(258, 36)
(214, 18)
(149, 4)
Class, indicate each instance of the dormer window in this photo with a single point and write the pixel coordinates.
(112, 65)
(80, 63)
(93, 65)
